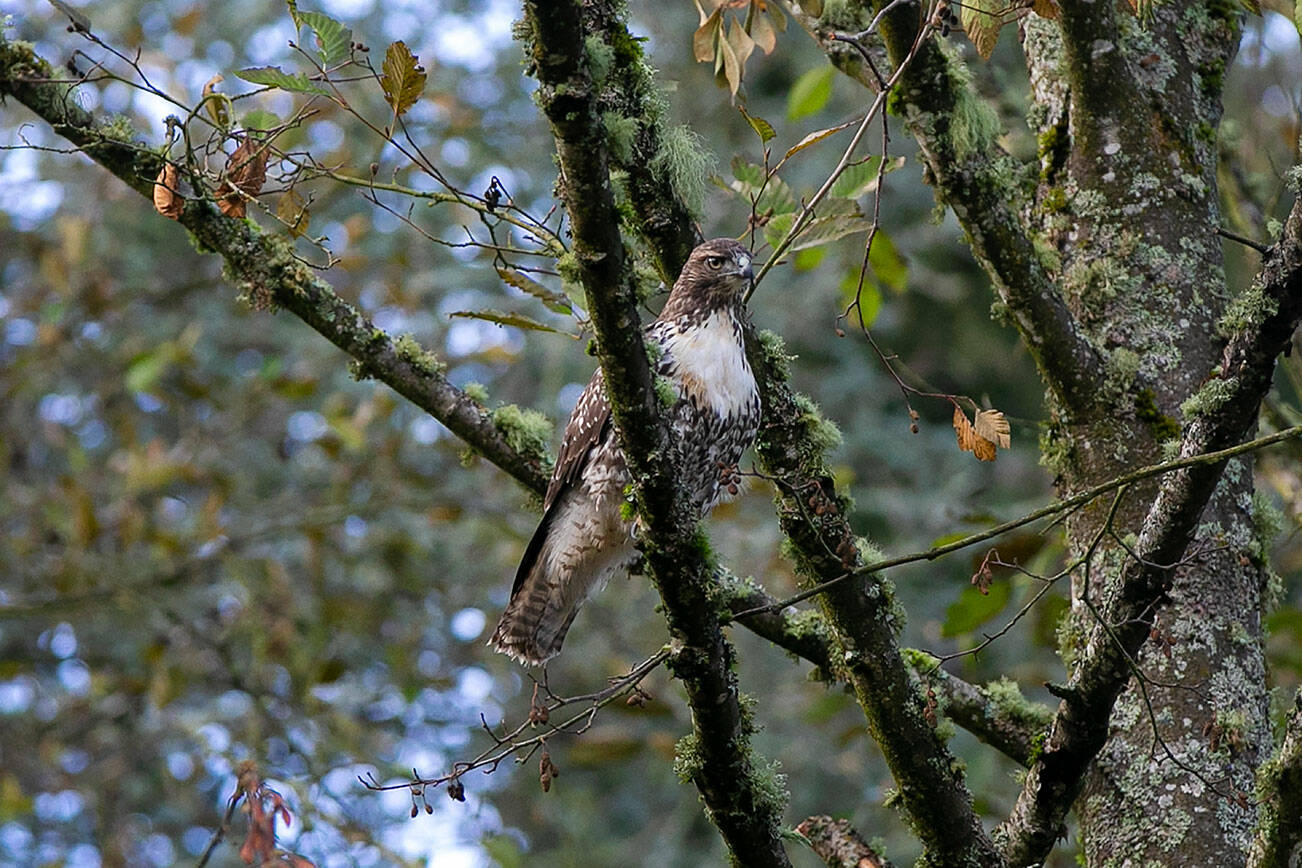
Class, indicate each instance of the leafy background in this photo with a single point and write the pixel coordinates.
(217, 546)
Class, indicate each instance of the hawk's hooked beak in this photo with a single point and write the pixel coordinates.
(746, 271)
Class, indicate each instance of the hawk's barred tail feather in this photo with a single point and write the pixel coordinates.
(517, 634)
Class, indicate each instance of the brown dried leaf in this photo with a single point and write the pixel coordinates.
(991, 425)
(969, 440)
(246, 172)
(763, 31)
(1045, 8)
(547, 771)
(703, 40)
(167, 201)
(981, 23)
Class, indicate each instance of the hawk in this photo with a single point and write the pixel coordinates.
(583, 539)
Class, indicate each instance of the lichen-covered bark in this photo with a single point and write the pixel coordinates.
(1109, 245)
(1278, 842)
(744, 799)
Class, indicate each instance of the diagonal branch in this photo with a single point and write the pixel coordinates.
(742, 797)
(997, 714)
(1263, 319)
(1278, 842)
(267, 272)
(862, 616)
(977, 178)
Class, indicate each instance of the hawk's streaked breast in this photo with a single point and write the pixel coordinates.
(583, 540)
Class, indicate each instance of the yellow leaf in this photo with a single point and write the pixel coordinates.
(217, 104)
(403, 79)
(167, 201)
(292, 211)
(818, 136)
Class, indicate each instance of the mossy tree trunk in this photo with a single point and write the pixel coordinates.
(1129, 201)
(1125, 285)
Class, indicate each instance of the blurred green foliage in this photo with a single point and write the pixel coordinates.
(216, 545)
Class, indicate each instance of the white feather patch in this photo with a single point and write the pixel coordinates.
(710, 365)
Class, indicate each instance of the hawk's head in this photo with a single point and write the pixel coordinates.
(717, 274)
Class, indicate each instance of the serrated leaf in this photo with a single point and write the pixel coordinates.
(333, 39)
(860, 179)
(403, 79)
(762, 128)
(810, 92)
(991, 425)
(557, 302)
(972, 609)
(974, 439)
(518, 320)
(818, 136)
(981, 23)
(274, 76)
(824, 230)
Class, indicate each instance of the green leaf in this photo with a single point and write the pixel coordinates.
(517, 320)
(870, 302)
(887, 264)
(259, 120)
(333, 39)
(859, 179)
(403, 80)
(820, 230)
(762, 128)
(558, 302)
(810, 92)
(775, 195)
(972, 609)
(145, 370)
(274, 76)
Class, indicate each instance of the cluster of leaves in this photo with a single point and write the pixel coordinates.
(728, 40)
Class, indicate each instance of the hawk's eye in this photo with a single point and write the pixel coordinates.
(715, 262)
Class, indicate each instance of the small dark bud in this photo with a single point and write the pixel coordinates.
(429, 809)
(913, 428)
(414, 811)
(375, 168)
(456, 790)
(840, 332)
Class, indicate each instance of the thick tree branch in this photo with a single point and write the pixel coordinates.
(979, 181)
(996, 714)
(742, 798)
(267, 272)
(1278, 842)
(839, 845)
(790, 447)
(1222, 414)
